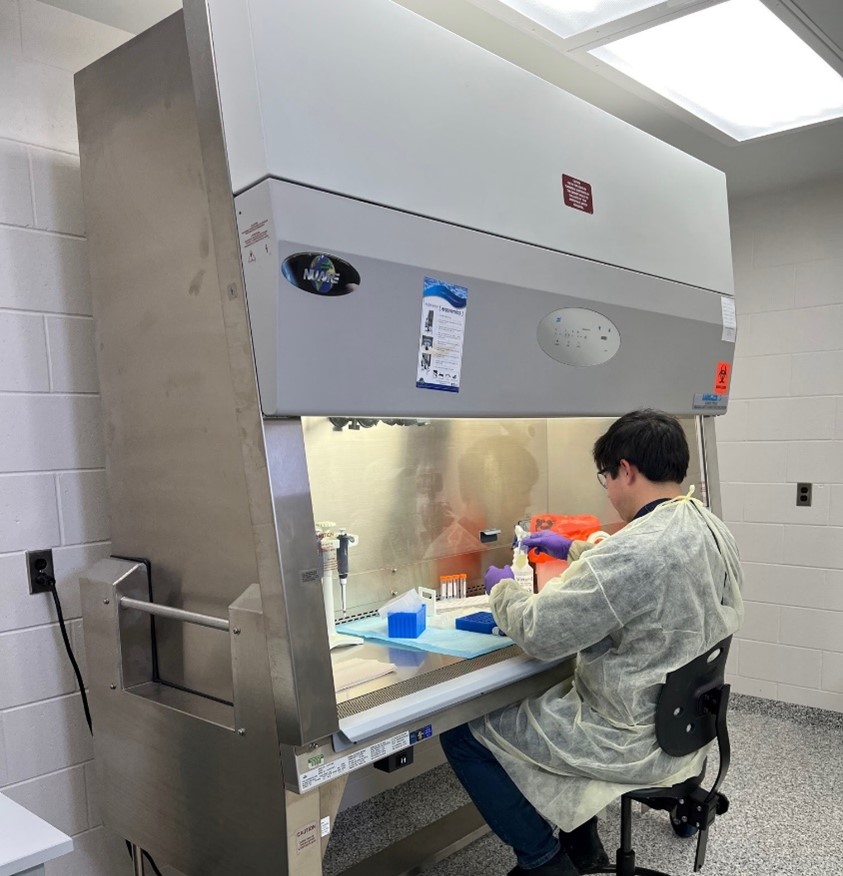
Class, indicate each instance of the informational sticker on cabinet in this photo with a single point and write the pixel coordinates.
(721, 378)
(444, 307)
(327, 772)
(730, 323)
(254, 241)
(577, 194)
(710, 401)
(325, 825)
(307, 836)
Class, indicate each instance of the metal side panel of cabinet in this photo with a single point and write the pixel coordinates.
(188, 478)
(196, 783)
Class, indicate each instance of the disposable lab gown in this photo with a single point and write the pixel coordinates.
(644, 602)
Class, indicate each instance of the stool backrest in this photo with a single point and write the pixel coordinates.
(687, 709)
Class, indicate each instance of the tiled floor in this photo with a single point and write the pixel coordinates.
(785, 786)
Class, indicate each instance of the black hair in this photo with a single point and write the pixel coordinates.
(653, 441)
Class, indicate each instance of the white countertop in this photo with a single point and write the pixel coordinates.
(27, 840)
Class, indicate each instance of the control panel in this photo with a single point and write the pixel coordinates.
(576, 336)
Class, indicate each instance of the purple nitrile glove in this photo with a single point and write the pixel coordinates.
(494, 575)
(548, 542)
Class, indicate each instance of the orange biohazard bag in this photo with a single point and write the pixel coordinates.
(574, 526)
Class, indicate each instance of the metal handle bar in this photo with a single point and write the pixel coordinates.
(187, 617)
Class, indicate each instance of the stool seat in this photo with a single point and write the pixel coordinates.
(671, 792)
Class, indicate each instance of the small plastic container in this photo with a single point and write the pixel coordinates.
(407, 624)
(479, 622)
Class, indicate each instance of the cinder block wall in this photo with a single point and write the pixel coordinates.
(52, 482)
(785, 425)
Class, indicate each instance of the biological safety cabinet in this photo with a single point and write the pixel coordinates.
(347, 266)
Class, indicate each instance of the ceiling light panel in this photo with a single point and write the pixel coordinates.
(736, 66)
(567, 18)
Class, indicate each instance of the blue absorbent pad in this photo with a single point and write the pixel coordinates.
(456, 643)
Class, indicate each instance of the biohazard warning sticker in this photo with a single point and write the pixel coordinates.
(721, 378)
(577, 194)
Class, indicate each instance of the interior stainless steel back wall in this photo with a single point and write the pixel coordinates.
(418, 496)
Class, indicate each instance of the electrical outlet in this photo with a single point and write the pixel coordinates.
(803, 494)
(40, 566)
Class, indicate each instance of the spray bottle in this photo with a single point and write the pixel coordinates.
(522, 571)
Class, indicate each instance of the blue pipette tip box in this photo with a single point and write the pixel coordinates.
(407, 624)
(479, 622)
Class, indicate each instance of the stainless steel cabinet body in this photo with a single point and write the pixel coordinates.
(220, 743)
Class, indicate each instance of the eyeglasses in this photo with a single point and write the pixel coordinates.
(601, 478)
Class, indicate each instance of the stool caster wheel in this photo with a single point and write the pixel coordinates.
(681, 828)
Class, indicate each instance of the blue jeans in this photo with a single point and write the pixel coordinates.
(506, 810)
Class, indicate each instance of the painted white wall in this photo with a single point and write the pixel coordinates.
(52, 482)
(785, 425)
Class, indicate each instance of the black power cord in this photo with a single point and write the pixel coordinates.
(48, 580)
(51, 582)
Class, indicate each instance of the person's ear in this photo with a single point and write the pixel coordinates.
(634, 472)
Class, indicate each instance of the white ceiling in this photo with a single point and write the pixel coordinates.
(783, 160)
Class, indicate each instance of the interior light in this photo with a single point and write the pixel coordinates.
(566, 18)
(735, 65)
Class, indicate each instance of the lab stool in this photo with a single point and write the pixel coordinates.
(690, 713)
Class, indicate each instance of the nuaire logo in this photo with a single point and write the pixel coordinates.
(320, 274)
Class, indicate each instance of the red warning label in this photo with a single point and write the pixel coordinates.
(721, 378)
(577, 194)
